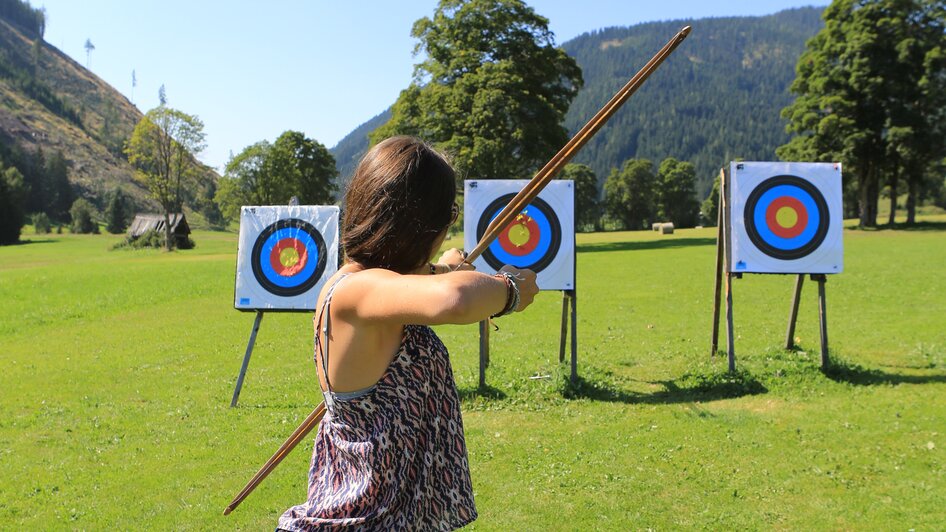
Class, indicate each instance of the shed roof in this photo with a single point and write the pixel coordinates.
(155, 222)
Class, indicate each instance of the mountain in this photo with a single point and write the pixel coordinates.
(49, 101)
(717, 98)
(349, 150)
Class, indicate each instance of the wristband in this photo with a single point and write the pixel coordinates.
(512, 294)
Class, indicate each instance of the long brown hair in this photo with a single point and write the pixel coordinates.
(397, 203)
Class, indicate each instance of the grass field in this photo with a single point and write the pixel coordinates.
(117, 370)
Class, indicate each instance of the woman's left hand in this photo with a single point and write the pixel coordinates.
(452, 258)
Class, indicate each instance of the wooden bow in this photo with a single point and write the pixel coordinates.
(555, 165)
(515, 206)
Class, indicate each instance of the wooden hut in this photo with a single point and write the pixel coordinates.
(155, 222)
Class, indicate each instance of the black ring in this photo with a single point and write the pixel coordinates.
(794, 253)
(264, 235)
(555, 239)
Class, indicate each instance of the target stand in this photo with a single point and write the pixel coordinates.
(777, 218)
(541, 238)
(285, 256)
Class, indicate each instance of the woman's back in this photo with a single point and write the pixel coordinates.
(392, 457)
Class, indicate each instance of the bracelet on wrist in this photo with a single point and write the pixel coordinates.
(512, 294)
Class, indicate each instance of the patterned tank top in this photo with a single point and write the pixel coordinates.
(392, 456)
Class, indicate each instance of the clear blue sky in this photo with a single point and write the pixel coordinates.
(251, 70)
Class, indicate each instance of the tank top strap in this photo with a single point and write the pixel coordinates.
(324, 325)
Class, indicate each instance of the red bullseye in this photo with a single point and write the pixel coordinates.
(521, 236)
(288, 257)
(786, 217)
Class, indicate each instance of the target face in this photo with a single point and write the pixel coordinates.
(285, 255)
(540, 238)
(289, 257)
(530, 241)
(784, 217)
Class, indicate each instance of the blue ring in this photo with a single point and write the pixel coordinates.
(303, 281)
(550, 237)
(765, 240)
(762, 226)
(545, 240)
(300, 277)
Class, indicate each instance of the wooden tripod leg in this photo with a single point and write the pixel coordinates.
(564, 335)
(484, 351)
(730, 338)
(246, 359)
(793, 314)
(823, 318)
(574, 298)
(719, 281)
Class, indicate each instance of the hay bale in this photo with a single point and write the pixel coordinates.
(666, 229)
(655, 226)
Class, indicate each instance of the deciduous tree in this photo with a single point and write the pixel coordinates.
(629, 194)
(162, 148)
(676, 192)
(871, 92)
(83, 217)
(492, 90)
(587, 211)
(271, 174)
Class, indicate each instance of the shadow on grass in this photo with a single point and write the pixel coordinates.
(841, 371)
(481, 392)
(28, 242)
(917, 226)
(685, 389)
(650, 244)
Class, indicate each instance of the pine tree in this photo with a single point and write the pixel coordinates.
(116, 213)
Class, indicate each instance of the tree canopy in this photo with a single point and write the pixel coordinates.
(676, 193)
(587, 213)
(492, 89)
(13, 194)
(271, 174)
(629, 194)
(871, 92)
(163, 148)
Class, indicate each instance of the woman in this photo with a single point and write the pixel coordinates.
(390, 452)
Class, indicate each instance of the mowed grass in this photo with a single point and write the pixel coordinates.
(118, 367)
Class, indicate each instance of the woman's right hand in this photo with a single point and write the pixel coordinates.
(525, 280)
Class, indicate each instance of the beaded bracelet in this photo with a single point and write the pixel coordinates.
(512, 294)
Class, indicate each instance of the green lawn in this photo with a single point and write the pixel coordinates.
(117, 371)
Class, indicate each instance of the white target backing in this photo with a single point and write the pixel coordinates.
(285, 255)
(541, 238)
(784, 217)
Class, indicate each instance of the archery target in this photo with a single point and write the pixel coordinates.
(285, 255)
(540, 238)
(785, 217)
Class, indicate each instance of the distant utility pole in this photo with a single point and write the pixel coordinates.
(88, 51)
(134, 83)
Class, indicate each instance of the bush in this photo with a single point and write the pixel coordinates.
(151, 239)
(41, 224)
(82, 213)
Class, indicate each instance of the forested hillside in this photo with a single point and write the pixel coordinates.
(350, 149)
(717, 98)
(50, 102)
